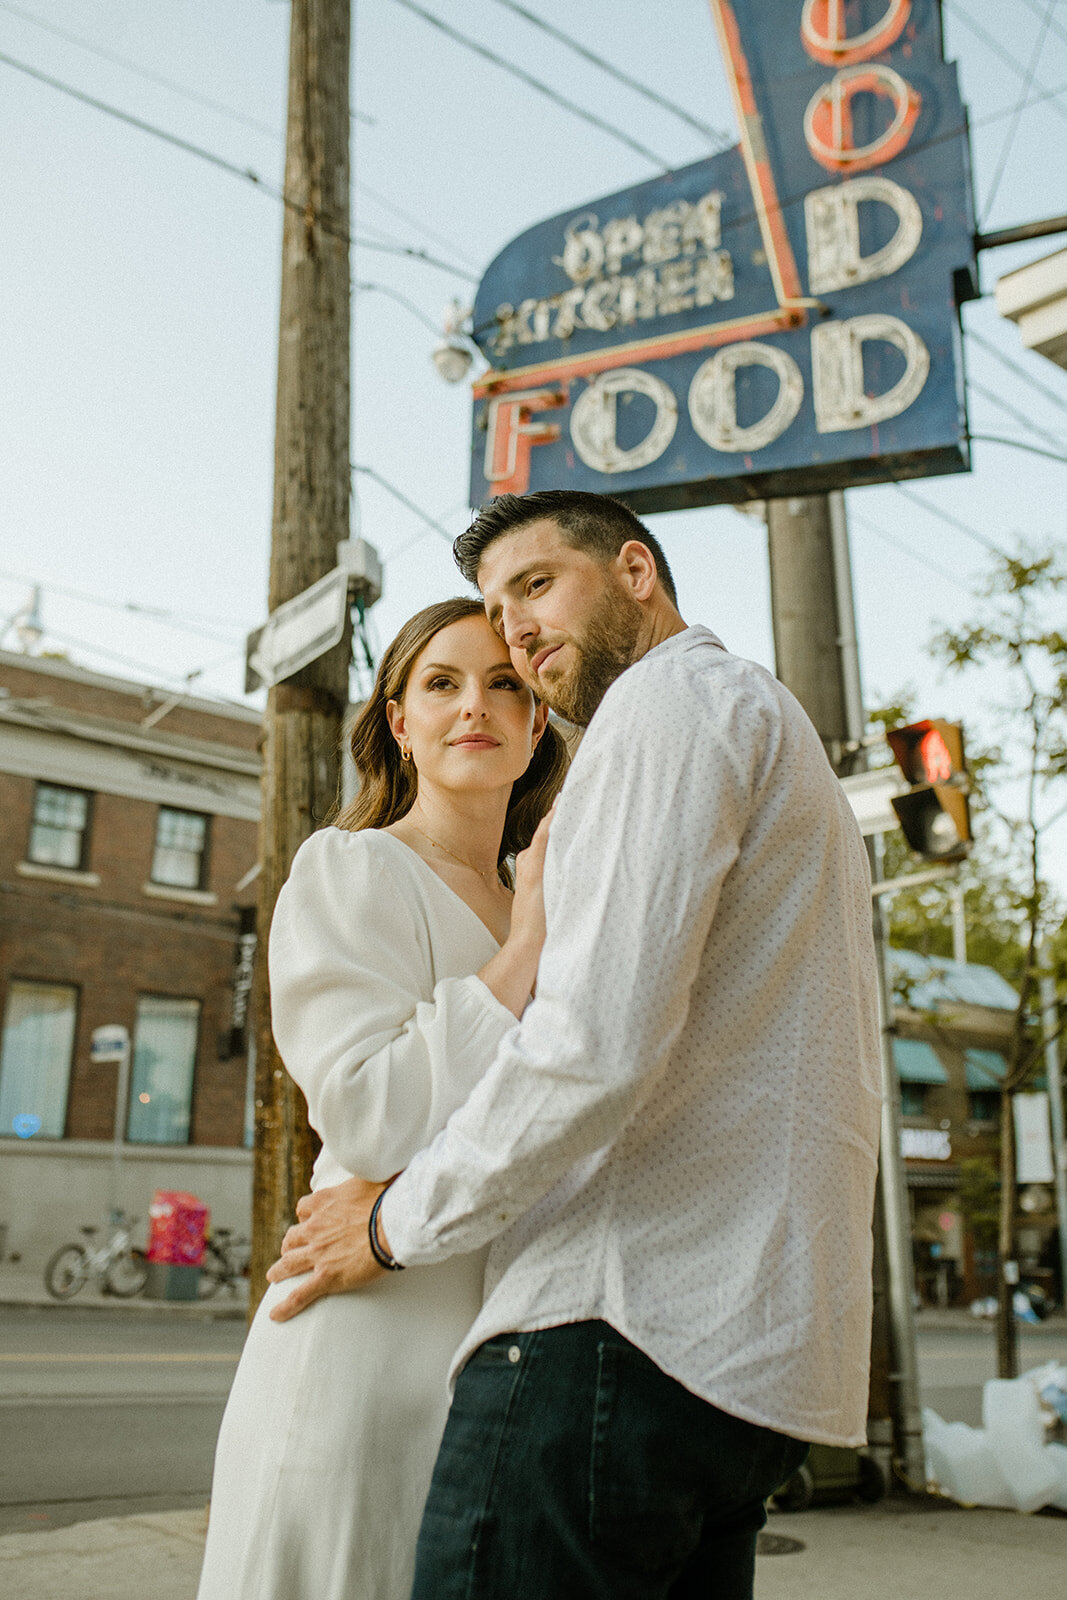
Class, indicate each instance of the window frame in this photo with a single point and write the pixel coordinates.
(203, 877)
(87, 795)
(129, 1136)
(15, 982)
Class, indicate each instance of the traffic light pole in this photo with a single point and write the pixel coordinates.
(817, 657)
(312, 487)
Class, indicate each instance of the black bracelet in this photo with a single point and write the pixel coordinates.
(377, 1249)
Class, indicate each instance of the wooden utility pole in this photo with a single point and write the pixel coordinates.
(312, 484)
(816, 656)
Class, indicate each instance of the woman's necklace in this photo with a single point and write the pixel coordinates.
(490, 872)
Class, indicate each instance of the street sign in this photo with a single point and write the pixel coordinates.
(109, 1043)
(298, 632)
(779, 319)
(871, 796)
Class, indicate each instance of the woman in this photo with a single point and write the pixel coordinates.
(399, 958)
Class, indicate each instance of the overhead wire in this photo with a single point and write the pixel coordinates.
(246, 174)
(535, 83)
(716, 135)
(160, 614)
(1009, 138)
(231, 112)
(994, 44)
(1015, 414)
(363, 287)
(859, 519)
(1056, 27)
(154, 77)
(155, 676)
(1014, 366)
(398, 494)
(1009, 111)
(946, 517)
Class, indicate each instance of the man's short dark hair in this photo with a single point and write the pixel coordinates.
(594, 523)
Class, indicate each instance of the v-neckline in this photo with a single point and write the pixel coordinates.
(436, 876)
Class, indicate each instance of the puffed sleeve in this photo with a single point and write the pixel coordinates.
(382, 1053)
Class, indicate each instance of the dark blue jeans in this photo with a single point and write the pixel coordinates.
(573, 1468)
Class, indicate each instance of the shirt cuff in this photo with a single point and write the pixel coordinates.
(409, 1243)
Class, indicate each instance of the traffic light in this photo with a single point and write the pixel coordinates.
(934, 814)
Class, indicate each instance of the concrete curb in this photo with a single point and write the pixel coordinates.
(26, 1290)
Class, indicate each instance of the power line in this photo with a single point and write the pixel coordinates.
(397, 494)
(218, 107)
(1057, 27)
(154, 673)
(154, 77)
(246, 174)
(1009, 111)
(1016, 367)
(535, 83)
(946, 516)
(1009, 138)
(406, 216)
(716, 135)
(1020, 444)
(401, 299)
(916, 555)
(155, 613)
(998, 49)
(1016, 415)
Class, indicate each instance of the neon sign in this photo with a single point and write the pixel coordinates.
(778, 319)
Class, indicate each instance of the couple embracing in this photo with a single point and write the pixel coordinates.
(630, 1088)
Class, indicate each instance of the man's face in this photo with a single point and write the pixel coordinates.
(569, 621)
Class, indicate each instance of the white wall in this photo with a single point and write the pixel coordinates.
(48, 1189)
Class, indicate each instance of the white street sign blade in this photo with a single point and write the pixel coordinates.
(298, 632)
(869, 794)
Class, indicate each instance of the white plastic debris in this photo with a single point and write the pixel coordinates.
(1008, 1462)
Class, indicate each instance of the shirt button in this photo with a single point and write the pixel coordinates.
(514, 1354)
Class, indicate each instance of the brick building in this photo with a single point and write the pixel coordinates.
(127, 860)
(953, 1023)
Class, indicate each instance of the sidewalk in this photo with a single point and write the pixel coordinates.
(24, 1286)
(899, 1550)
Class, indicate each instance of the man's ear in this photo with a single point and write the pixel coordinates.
(636, 566)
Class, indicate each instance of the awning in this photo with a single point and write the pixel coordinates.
(985, 1068)
(917, 1062)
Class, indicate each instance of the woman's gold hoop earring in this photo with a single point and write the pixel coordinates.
(405, 752)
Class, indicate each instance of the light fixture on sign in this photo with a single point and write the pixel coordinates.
(452, 360)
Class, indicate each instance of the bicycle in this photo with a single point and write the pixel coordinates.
(225, 1262)
(121, 1269)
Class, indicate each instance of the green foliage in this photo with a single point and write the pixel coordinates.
(980, 1199)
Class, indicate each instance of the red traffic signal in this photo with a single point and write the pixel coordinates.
(934, 815)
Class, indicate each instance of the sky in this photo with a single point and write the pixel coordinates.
(139, 289)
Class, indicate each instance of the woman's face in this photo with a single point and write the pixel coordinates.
(466, 716)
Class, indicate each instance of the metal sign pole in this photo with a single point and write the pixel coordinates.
(1050, 1020)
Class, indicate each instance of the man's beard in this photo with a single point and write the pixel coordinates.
(604, 650)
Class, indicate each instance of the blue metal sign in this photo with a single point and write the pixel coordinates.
(778, 319)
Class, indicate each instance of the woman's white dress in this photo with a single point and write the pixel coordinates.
(333, 1422)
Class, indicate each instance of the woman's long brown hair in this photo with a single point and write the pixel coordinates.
(388, 785)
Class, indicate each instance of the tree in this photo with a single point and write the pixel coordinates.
(1024, 795)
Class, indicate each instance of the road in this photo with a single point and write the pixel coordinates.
(105, 1413)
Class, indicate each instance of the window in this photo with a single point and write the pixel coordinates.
(35, 1058)
(983, 1105)
(181, 849)
(60, 830)
(164, 1059)
(913, 1099)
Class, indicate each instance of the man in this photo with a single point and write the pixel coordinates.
(675, 1148)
